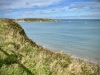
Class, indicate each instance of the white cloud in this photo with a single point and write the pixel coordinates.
(28, 12)
(94, 8)
(45, 12)
(8, 9)
(76, 6)
(26, 3)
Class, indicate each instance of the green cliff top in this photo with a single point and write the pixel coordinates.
(35, 20)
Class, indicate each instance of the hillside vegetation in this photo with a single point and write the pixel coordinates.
(19, 55)
(35, 20)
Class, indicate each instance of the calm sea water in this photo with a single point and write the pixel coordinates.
(79, 38)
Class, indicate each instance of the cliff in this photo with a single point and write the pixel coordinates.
(19, 55)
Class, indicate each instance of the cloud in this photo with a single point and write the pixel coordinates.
(82, 16)
(8, 9)
(35, 6)
(63, 9)
(98, 0)
(94, 8)
(26, 3)
(90, 15)
(53, 9)
(45, 12)
(41, 12)
(72, 6)
(29, 12)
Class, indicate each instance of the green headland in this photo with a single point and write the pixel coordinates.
(36, 20)
(19, 55)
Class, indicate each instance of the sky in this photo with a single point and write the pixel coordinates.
(55, 9)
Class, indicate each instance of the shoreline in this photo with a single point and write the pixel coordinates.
(71, 55)
(84, 59)
(81, 47)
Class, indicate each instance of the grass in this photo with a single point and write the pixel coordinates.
(19, 55)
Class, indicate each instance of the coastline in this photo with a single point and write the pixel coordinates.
(84, 59)
(71, 55)
(84, 48)
(19, 51)
(36, 20)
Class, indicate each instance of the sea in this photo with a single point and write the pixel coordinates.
(79, 38)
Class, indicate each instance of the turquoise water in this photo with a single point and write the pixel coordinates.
(79, 38)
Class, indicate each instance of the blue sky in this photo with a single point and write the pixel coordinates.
(55, 9)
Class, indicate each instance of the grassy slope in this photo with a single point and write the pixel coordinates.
(19, 55)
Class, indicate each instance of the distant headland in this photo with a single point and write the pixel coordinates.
(36, 20)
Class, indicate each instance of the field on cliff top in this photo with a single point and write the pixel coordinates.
(19, 55)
